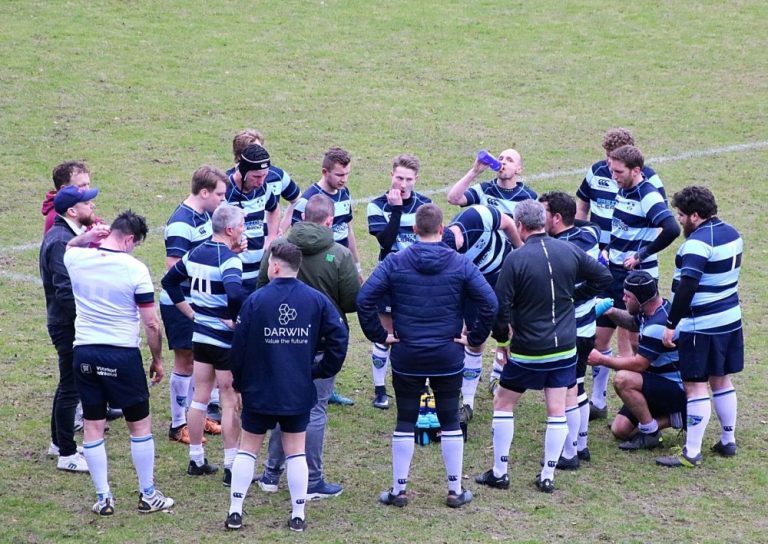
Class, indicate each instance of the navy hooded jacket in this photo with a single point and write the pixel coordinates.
(429, 285)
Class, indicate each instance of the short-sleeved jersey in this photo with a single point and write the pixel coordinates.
(664, 360)
(342, 211)
(484, 244)
(637, 215)
(380, 214)
(280, 183)
(185, 230)
(109, 286)
(254, 204)
(210, 266)
(586, 238)
(712, 255)
(599, 189)
(489, 193)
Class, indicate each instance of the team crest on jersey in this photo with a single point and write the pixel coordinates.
(603, 182)
(493, 202)
(85, 368)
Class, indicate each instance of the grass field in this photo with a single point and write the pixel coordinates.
(146, 92)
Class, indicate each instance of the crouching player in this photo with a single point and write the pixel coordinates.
(277, 335)
(648, 382)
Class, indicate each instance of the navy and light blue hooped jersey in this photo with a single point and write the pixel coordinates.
(342, 211)
(380, 213)
(712, 255)
(210, 267)
(599, 189)
(255, 204)
(185, 230)
(489, 193)
(484, 244)
(586, 238)
(280, 183)
(637, 215)
(664, 360)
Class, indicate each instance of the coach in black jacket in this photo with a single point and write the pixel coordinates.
(536, 292)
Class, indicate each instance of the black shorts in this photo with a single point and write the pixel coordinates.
(109, 374)
(211, 355)
(413, 386)
(663, 396)
(256, 423)
(584, 347)
(705, 355)
(519, 379)
(178, 327)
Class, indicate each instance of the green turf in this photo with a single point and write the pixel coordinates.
(146, 92)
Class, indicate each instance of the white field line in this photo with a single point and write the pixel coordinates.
(365, 200)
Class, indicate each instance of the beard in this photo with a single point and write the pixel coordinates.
(88, 220)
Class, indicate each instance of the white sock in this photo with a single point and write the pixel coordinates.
(573, 417)
(143, 455)
(402, 452)
(214, 396)
(554, 438)
(379, 360)
(242, 475)
(583, 422)
(229, 457)
(179, 387)
(600, 375)
(452, 447)
(648, 428)
(96, 456)
(197, 454)
(496, 371)
(503, 427)
(473, 367)
(725, 407)
(699, 412)
(298, 478)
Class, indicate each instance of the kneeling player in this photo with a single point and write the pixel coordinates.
(649, 382)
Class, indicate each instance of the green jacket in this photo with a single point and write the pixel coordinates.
(326, 265)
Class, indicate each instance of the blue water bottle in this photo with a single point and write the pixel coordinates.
(486, 158)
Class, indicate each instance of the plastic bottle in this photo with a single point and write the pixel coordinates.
(486, 158)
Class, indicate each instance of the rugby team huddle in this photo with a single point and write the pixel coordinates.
(254, 303)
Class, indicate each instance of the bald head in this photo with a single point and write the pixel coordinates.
(511, 165)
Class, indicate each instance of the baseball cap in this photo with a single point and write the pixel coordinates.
(642, 285)
(68, 196)
(254, 157)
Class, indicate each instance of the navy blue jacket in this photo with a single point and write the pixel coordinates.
(429, 285)
(276, 337)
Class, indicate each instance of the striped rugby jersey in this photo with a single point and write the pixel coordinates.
(711, 254)
(255, 204)
(664, 360)
(342, 211)
(599, 189)
(585, 238)
(210, 266)
(280, 183)
(484, 244)
(379, 213)
(637, 215)
(489, 193)
(185, 230)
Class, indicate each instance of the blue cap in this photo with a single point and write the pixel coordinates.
(70, 195)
